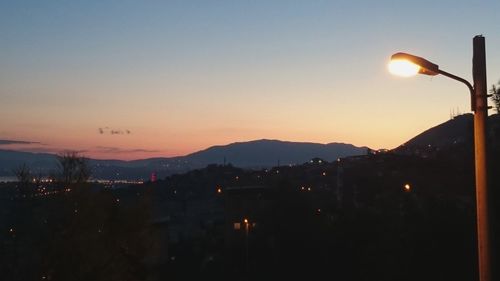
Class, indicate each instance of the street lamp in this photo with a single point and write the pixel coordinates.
(247, 226)
(404, 64)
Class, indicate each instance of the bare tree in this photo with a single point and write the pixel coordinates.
(23, 173)
(495, 96)
(73, 167)
(24, 177)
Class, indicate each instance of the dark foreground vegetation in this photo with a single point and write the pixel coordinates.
(383, 216)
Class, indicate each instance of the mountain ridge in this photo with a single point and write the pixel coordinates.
(251, 154)
(260, 153)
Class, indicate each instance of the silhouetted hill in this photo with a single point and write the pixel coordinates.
(452, 134)
(252, 154)
(457, 130)
(10, 159)
(265, 153)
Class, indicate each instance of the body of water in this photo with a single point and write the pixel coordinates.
(8, 179)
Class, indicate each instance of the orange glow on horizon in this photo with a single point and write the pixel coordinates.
(157, 142)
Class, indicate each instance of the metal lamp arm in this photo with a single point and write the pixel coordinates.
(471, 88)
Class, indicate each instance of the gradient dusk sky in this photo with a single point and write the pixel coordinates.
(135, 79)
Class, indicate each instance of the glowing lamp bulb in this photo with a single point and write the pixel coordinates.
(403, 68)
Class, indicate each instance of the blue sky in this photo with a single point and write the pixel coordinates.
(184, 75)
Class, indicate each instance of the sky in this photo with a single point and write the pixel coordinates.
(133, 79)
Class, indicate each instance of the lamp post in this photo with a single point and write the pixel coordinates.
(407, 65)
(247, 226)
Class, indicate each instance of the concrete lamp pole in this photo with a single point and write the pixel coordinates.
(407, 65)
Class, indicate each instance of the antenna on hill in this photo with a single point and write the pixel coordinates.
(454, 113)
(224, 160)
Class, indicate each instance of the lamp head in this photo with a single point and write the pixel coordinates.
(406, 65)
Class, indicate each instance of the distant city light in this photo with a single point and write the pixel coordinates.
(407, 187)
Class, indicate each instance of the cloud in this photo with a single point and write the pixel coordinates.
(108, 149)
(41, 149)
(107, 130)
(9, 142)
